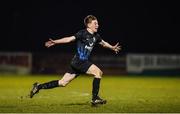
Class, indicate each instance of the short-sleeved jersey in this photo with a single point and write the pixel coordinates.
(85, 43)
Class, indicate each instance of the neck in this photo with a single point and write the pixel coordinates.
(90, 31)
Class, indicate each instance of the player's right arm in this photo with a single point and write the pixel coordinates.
(52, 42)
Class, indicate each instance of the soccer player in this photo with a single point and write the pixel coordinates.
(85, 39)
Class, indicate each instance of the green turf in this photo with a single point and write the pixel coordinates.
(123, 93)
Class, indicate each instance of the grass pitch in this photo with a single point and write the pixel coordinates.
(124, 94)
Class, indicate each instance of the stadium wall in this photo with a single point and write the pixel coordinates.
(156, 64)
(15, 62)
(58, 63)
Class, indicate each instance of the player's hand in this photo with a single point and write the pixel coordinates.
(117, 48)
(50, 43)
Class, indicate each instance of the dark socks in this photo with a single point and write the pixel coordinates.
(49, 85)
(95, 89)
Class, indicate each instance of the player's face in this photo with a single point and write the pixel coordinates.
(94, 25)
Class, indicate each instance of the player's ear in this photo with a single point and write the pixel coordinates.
(88, 25)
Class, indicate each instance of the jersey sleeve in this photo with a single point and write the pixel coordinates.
(79, 35)
(99, 39)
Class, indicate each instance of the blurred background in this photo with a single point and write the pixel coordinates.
(147, 30)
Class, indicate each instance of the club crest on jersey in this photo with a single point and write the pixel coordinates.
(91, 43)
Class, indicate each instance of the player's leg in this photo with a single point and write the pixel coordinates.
(97, 73)
(58, 83)
(68, 77)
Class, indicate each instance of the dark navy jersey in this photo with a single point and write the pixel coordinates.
(85, 43)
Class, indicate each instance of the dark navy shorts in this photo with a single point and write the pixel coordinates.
(78, 66)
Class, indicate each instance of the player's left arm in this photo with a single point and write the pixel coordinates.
(116, 48)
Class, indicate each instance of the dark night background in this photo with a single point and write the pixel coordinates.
(140, 26)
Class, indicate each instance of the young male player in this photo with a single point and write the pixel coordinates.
(85, 39)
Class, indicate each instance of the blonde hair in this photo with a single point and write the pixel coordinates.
(89, 19)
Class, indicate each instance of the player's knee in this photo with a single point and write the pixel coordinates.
(99, 74)
(62, 83)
